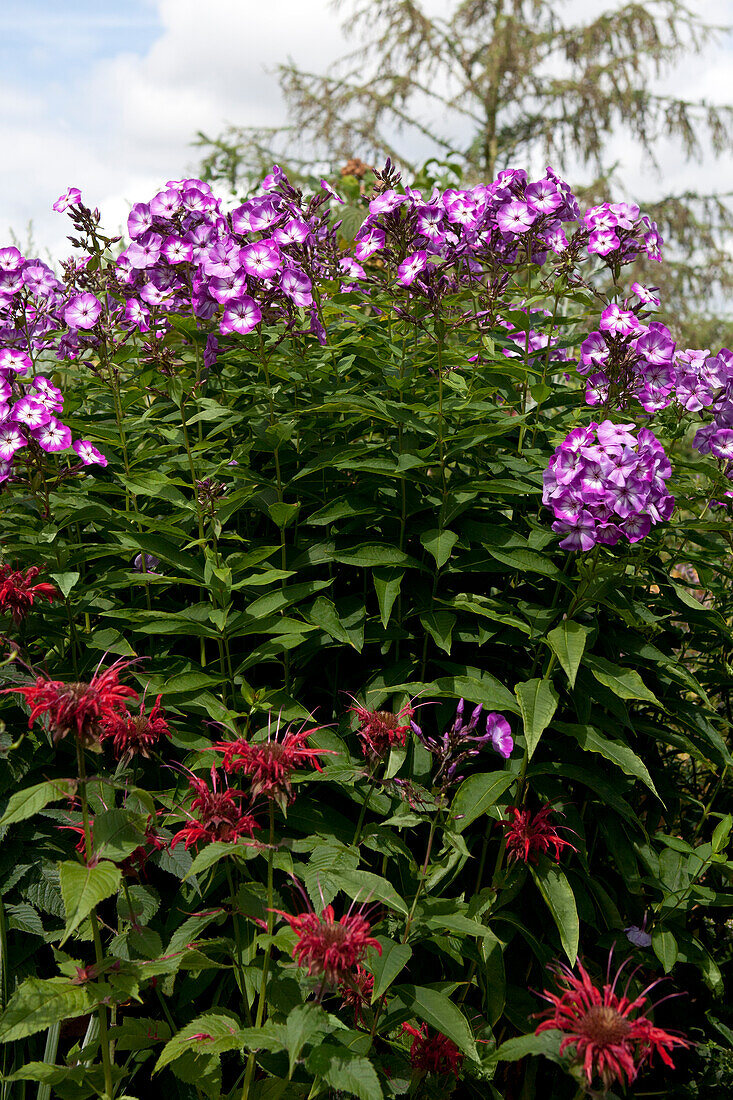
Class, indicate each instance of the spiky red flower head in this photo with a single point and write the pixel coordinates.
(136, 733)
(329, 948)
(379, 730)
(529, 835)
(433, 1053)
(269, 764)
(219, 815)
(136, 862)
(17, 591)
(81, 708)
(612, 1039)
(356, 990)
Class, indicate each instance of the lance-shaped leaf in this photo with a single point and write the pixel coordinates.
(567, 642)
(83, 887)
(560, 900)
(538, 702)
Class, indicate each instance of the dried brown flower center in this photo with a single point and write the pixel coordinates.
(333, 933)
(604, 1025)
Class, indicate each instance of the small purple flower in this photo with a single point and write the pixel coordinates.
(411, 267)
(10, 259)
(11, 440)
(31, 412)
(241, 316)
(137, 314)
(293, 231)
(53, 436)
(334, 195)
(83, 311)
(166, 203)
(297, 286)
(144, 251)
(151, 563)
(15, 360)
(262, 259)
(139, 220)
(71, 197)
(176, 251)
(210, 351)
(88, 453)
(603, 241)
(368, 242)
(543, 197)
(515, 217)
(499, 731)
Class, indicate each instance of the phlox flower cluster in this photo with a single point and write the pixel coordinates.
(459, 743)
(604, 483)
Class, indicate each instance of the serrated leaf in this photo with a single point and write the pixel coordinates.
(436, 1009)
(476, 794)
(385, 967)
(220, 849)
(343, 1070)
(537, 702)
(560, 900)
(302, 1024)
(213, 1032)
(624, 682)
(24, 804)
(37, 1004)
(117, 833)
(439, 544)
(83, 887)
(567, 642)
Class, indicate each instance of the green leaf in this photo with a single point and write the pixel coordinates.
(439, 624)
(37, 1004)
(363, 886)
(438, 1010)
(345, 1071)
(303, 1022)
(476, 794)
(665, 948)
(84, 887)
(619, 754)
(547, 1043)
(525, 561)
(65, 582)
(560, 900)
(323, 613)
(220, 849)
(624, 682)
(439, 544)
(385, 967)
(223, 1031)
(568, 643)
(387, 585)
(537, 701)
(27, 803)
(117, 833)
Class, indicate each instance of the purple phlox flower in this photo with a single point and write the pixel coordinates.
(330, 191)
(429, 222)
(11, 282)
(594, 351)
(139, 220)
(262, 259)
(6, 391)
(294, 231)
(623, 322)
(70, 197)
(241, 316)
(6, 467)
(53, 436)
(200, 238)
(40, 279)
(144, 251)
(11, 440)
(137, 314)
(227, 290)
(223, 259)
(638, 935)
(647, 295)
(543, 196)
(263, 213)
(154, 295)
(653, 241)
(151, 562)
(386, 202)
(722, 443)
(10, 259)
(603, 241)
(515, 217)
(579, 531)
(411, 267)
(368, 241)
(31, 412)
(352, 268)
(499, 732)
(88, 453)
(656, 345)
(166, 203)
(197, 198)
(83, 311)
(554, 237)
(462, 210)
(15, 360)
(274, 178)
(176, 251)
(297, 286)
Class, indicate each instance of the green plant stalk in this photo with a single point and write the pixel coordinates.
(261, 1002)
(423, 873)
(4, 989)
(98, 953)
(362, 812)
(238, 942)
(49, 1058)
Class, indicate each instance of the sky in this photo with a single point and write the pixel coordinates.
(108, 96)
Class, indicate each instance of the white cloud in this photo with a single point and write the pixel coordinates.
(120, 125)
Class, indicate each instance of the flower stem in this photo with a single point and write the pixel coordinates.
(423, 874)
(98, 953)
(249, 1074)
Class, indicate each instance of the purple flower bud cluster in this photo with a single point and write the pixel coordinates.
(603, 482)
(460, 742)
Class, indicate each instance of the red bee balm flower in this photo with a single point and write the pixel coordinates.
(329, 947)
(356, 990)
(433, 1053)
(81, 708)
(133, 733)
(529, 835)
(17, 591)
(610, 1038)
(379, 730)
(269, 764)
(220, 817)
